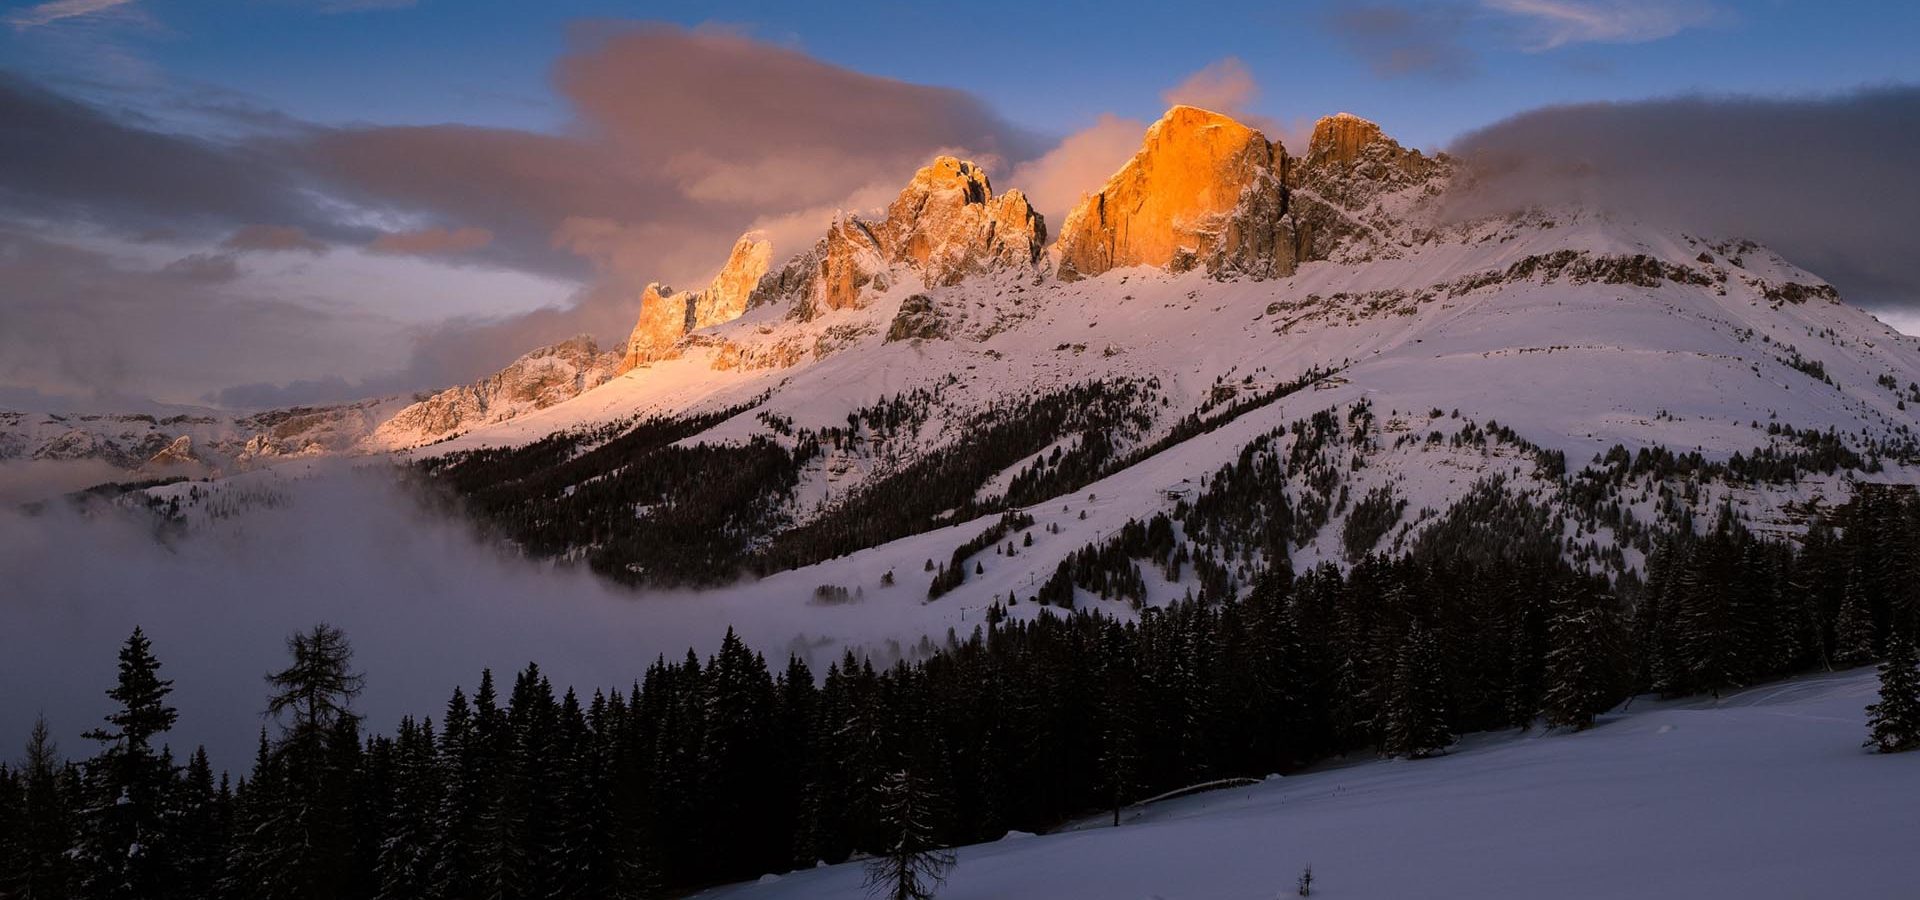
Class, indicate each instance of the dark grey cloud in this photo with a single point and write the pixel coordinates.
(272, 238)
(81, 324)
(73, 162)
(1826, 181)
(1399, 40)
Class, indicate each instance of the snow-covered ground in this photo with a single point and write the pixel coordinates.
(1764, 794)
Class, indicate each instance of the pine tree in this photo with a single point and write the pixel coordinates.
(1416, 713)
(311, 848)
(736, 758)
(1119, 761)
(202, 829)
(456, 852)
(1894, 722)
(1853, 626)
(910, 866)
(1585, 663)
(43, 825)
(125, 847)
(404, 864)
(12, 812)
(251, 850)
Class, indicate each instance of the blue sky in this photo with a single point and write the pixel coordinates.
(1050, 67)
(316, 200)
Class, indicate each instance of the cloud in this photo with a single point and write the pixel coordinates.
(1079, 165)
(204, 267)
(347, 546)
(58, 10)
(78, 322)
(1225, 86)
(71, 162)
(272, 238)
(1557, 23)
(1825, 181)
(1398, 41)
(432, 241)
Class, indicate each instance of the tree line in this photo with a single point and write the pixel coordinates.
(716, 770)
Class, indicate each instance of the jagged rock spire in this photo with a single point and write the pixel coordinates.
(666, 316)
(946, 225)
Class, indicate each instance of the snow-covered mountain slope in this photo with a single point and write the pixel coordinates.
(1557, 334)
(536, 380)
(1764, 794)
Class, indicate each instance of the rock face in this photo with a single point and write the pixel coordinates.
(535, 381)
(666, 316)
(1349, 167)
(726, 296)
(946, 225)
(1209, 192)
(1204, 191)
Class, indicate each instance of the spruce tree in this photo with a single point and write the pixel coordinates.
(1893, 724)
(736, 759)
(1584, 664)
(909, 866)
(42, 824)
(456, 851)
(1853, 626)
(12, 811)
(125, 847)
(404, 865)
(1416, 714)
(202, 849)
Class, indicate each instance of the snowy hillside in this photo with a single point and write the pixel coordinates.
(1765, 794)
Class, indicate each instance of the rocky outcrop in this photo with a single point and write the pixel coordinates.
(1209, 192)
(534, 381)
(945, 226)
(663, 322)
(1204, 191)
(666, 316)
(1350, 166)
(918, 319)
(178, 453)
(725, 298)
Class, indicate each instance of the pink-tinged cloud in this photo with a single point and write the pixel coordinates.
(432, 241)
(274, 238)
(1078, 166)
(1224, 86)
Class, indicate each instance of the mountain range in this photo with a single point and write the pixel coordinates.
(1254, 355)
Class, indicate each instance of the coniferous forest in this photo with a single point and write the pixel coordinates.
(715, 770)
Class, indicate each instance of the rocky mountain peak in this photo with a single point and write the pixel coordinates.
(667, 315)
(945, 225)
(1339, 138)
(1344, 143)
(536, 380)
(1203, 191)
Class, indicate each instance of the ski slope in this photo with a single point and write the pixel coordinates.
(1764, 794)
